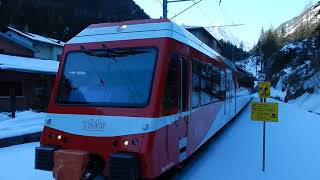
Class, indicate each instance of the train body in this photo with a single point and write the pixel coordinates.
(140, 95)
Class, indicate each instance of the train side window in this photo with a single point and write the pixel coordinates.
(222, 91)
(195, 94)
(206, 90)
(215, 85)
(171, 94)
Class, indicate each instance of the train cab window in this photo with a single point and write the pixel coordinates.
(195, 94)
(171, 95)
(119, 78)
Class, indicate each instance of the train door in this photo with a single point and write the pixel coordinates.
(176, 103)
(231, 94)
(223, 89)
(184, 109)
(229, 98)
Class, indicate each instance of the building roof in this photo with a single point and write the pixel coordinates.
(30, 65)
(9, 38)
(204, 30)
(38, 38)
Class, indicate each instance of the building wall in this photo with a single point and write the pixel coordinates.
(57, 52)
(11, 48)
(46, 51)
(36, 89)
(209, 41)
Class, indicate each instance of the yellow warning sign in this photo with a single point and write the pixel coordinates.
(264, 111)
(264, 89)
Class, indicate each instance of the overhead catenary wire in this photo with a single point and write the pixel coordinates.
(186, 9)
(159, 2)
(234, 39)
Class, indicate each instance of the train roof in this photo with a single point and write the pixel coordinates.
(145, 29)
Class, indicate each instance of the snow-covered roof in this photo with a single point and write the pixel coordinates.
(39, 38)
(31, 65)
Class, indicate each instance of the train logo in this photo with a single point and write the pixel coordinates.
(93, 125)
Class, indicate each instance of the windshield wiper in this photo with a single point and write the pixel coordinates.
(111, 53)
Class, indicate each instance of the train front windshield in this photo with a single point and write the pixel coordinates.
(108, 77)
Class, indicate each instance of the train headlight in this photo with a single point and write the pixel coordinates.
(126, 143)
(59, 137)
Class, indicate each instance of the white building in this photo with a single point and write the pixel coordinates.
(46, 48)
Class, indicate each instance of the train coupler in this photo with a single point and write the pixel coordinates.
(70, 164)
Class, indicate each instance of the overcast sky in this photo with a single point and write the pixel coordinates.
(254, 14)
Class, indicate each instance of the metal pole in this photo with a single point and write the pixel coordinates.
(165, 8)
(12, 102)
(264, 147)
(264, 124)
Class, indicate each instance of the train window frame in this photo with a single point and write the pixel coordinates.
(165, 105)
(195, 75)
(185, 83)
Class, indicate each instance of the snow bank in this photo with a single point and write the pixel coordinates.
(308, 102)
(26, 122)
(292, 149)
(250, 65)
(24, 64)
(277, 94)
(17, 163)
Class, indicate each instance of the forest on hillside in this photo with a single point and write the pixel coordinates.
(233, 52)
(63, 19)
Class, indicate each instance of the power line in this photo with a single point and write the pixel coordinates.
(227, 25)
(205, 14)
(186, 9)
(159, 2)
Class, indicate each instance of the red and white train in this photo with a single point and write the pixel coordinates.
(134, 99)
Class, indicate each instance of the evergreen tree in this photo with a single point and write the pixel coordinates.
(232, 52)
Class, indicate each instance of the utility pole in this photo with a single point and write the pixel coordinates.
(165, 6)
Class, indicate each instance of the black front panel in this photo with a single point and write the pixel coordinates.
(44, 158)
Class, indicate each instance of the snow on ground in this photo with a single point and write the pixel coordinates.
(292, 151)
(250, 65)
(17, 163)
(26, 122)
(309, 102)
(276, 93)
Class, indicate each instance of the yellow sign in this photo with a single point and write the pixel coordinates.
(264, 89)
(264, 111)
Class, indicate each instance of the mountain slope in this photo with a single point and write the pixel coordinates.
(309, 16)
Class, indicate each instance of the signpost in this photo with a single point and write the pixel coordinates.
(263, 111)
(261, 77)
(264, 89)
